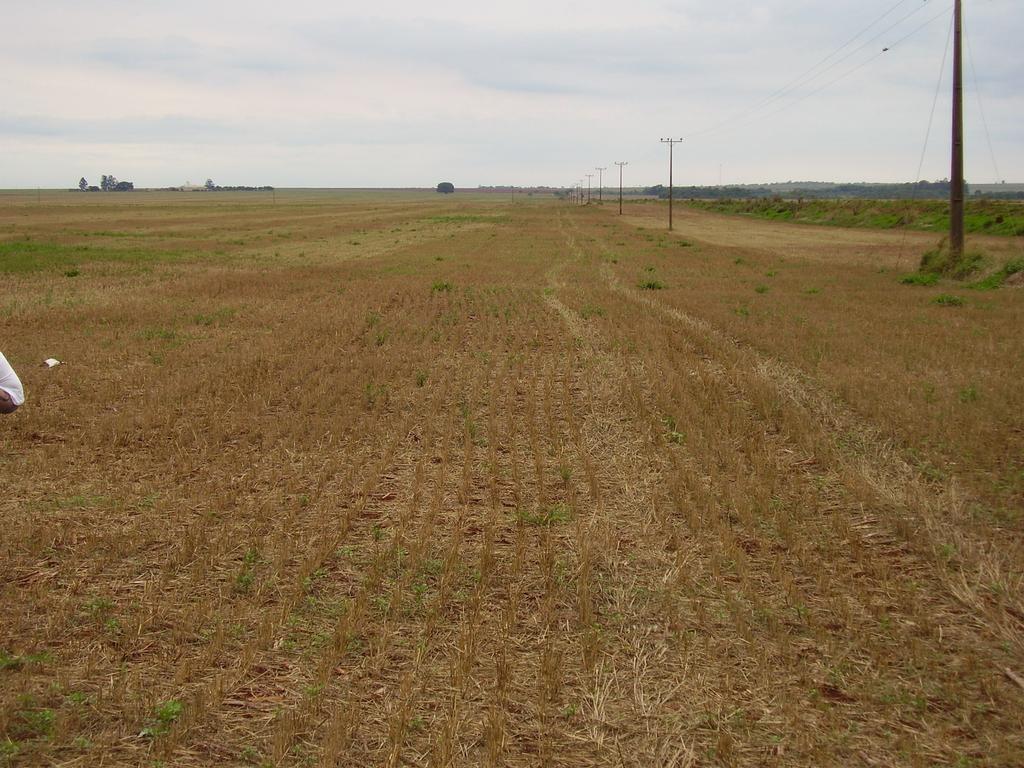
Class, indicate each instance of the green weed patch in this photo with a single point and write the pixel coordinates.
(468, 218)
(24, 256)
(920, 278)
(997, 278)
(990, 217)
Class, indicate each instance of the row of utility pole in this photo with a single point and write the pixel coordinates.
(579, 197)
(956, 199)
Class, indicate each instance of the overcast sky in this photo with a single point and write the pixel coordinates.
(389, 93)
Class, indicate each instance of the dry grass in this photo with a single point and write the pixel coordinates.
(461, 494)
(941, 380)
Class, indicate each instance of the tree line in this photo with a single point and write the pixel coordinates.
(108, 183)
(209, 186)
(921, 190)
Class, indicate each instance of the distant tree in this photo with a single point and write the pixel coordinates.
(109, 183)
(83, 184)
(210, 185)
(446, 187)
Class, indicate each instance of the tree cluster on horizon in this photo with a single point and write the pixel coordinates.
(108, 183)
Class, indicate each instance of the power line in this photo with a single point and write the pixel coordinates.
(868, 42)
(869, 61)
(918, 29)
(935, 102)
(830, 83)
(981, 107)
(810, 75)
(851, 54)
(927, 137)
(807, 77)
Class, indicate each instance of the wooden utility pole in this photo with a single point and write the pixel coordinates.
(671, 144)
(600, 183)
(620, 183)
(956, 177)
(589, 177)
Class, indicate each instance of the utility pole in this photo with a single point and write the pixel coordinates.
(620, 183)
(600, 183)
(956, 177)
(589, 177)
(671, 144)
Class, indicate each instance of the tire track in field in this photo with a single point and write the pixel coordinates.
(919, 513)
(834, 609)
(637, 684)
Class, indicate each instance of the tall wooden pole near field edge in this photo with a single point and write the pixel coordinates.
(671, 144)
(956, 177)
(620, 182)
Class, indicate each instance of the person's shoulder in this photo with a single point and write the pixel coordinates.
(11, 386)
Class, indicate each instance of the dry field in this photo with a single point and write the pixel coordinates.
(397, 479)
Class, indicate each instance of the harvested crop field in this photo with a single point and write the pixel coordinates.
(346, 479)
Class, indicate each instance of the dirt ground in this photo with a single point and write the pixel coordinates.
(339, 479)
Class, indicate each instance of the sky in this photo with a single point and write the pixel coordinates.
(333, 93)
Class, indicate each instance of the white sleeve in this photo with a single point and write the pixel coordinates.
(10, 383)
